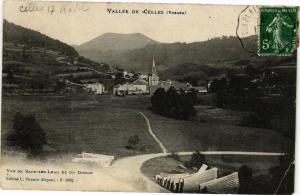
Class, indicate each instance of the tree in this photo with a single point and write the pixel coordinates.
(27, 134)
(245, 177)
(173, 104)
(172, 98)
(119, 78)
(158, 100)
(197, 160)
(282, 176)
(218, 85)
(105, 66)
(185, 108)
(192, 96)
(242, 63)
(223, 98)
(251, 71)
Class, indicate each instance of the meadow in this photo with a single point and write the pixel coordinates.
(103, 124)
(100, 124)
(179, 135)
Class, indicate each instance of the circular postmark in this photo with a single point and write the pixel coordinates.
(247, 28)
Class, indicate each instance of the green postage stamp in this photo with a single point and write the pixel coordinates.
(278, 31)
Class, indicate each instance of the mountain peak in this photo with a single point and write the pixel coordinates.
(120, 34)
(117, 41)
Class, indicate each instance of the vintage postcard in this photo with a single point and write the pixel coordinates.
(140, 97)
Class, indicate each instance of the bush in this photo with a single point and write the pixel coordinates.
(276, 113)
(197, 160)
(27, 135)
(133, 142)
(175, 156)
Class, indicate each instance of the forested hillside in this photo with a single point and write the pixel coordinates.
(34, 63)
(17, 34)
(214, 52)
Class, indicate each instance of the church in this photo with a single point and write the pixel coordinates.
(153, 78)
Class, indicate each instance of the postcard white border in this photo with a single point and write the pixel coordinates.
(230, 2)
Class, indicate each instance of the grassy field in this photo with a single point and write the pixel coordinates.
(211, 114)
(179, 135)
(225, 163)
(100, 124)
(103, 124)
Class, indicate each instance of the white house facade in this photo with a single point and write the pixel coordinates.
(139, 86)
(97, 88)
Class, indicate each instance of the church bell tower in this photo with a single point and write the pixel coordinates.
(153, 67)
(153, 79)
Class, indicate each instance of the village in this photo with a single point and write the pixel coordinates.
(120, 82)
(123, 83)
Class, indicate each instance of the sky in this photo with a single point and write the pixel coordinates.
(76, 23)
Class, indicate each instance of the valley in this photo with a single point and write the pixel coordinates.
(146, 103)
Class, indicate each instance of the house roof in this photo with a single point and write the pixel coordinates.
(139, 82)
(183, 86)
(85, 81)
(177, 85)
(201, 88)
(116, 86)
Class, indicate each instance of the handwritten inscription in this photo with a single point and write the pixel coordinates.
(52, 9)
(31, 7)
(82, 7)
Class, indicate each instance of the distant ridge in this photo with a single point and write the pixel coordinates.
(121, 50)
(197, 61)
(116, 41)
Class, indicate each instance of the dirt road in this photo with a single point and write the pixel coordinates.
(128, 169)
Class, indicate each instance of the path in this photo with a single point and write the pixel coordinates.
(163, 148)
(103, 73)
(235, 153)
(128, 169)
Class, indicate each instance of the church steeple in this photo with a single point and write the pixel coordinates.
(153, 67)
(153, 78)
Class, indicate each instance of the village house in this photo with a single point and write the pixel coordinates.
(117, 90)
(202, 90)
(93, 85)
(144, 76)
(179, 86)
(139, 86)
(121, 89)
